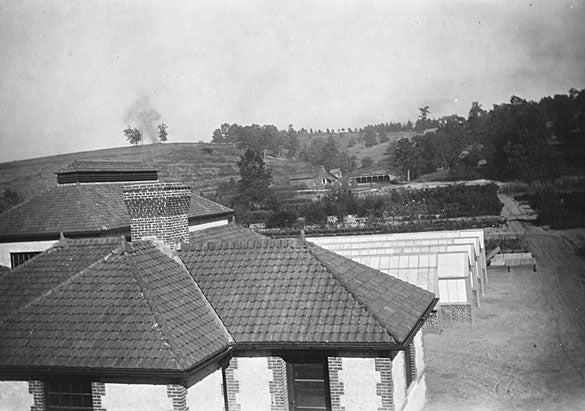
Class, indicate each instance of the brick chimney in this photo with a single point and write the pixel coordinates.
(159, 210)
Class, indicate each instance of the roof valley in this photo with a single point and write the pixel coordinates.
(216, 316)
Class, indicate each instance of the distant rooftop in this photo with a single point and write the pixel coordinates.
(85, 209)
(106, 171)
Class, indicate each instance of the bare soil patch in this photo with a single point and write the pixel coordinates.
(526, 349)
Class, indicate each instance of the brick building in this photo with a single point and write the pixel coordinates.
(230, 321)
(86, 202)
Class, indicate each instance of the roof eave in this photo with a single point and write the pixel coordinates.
(271, 345)
(48, 236)
(142, 375)
(419, 323)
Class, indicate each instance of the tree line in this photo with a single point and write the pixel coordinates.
(520, 140)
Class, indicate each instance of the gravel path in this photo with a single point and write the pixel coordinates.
(526, 350)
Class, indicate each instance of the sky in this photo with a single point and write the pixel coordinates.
(74, 74)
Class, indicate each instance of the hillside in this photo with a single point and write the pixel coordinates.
(201, 165)
(377, 152)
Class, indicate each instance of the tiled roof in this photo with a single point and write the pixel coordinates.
(102, 305)
(108, 304)
(285, 291)
(105, 166)
(202, 207)
(229, 232)
(83, 208)
(395, 303)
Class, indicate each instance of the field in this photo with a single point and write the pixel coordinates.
(526, 349)
(203, 166)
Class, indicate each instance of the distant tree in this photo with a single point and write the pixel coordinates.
(255, 179)
(517, 143)
(424, 112)
(217, 137)
(162, 132)
(329, 156)
(367, 161)
(475, 125)
(370, 137)
(407, 157)
(9, 199)
(383, 137)
(292, 141)
(133, 135)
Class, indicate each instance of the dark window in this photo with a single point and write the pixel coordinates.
(69, 395)
(308, 386)
(17, 259)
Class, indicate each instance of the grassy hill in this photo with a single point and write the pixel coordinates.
(201, 165)
(377, 152)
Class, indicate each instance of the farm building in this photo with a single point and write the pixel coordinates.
(445, 263)
(159, 323)
(319, 179)
(372, 176)
(86, 202)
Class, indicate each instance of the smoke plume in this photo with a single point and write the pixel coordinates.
(142, 116)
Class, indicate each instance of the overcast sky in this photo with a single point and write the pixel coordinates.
(73, 74)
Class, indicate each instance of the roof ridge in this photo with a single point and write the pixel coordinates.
(210, 245)
(160, 325)
(58, 286)
(329, 270)
(229, 336)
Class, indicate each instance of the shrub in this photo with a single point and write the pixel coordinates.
(282, 219)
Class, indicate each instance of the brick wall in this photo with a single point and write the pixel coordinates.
(278, 386)
(178, 394)
(432, 323)
(232, 387)
(37, 389)
(458, 313)
(412, 359)
(385, 388)
(98, 389)
(159, 210)
(335, 385)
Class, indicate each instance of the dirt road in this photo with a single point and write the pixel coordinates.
(526, 350)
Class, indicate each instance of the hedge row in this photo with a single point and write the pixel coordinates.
(559, 210)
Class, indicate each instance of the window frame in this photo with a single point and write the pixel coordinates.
(291, 362)
(20, 257)
(83, 392)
